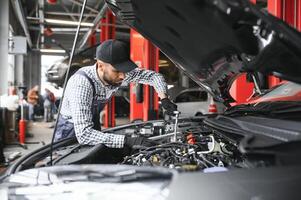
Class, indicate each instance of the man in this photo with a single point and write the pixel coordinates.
(32, 99)
(49, 100)
(91, 87)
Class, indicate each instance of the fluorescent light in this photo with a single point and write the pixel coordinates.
(52, 51)
(163, 61)
(164, 65)
(66, 22)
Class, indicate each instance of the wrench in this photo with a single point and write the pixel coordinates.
(177, 114)
(173, 135)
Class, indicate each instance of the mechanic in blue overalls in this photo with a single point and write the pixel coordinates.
(91, 87)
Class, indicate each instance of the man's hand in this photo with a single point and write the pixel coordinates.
(138, 141)
(168, 106)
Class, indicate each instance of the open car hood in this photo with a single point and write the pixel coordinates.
(213, 41)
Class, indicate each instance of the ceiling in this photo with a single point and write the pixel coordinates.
(53, 25)
(58, 21)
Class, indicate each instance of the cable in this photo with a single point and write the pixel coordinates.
(67, 74)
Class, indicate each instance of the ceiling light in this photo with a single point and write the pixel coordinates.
(163, 61)
(52, 51)
(66, 22)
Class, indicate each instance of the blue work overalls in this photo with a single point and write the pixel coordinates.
(65, 128)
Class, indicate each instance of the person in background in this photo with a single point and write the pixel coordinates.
(49, 100)
(32, 99)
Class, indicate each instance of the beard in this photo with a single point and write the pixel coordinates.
(110, 81)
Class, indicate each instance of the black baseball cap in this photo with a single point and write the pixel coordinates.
(117, 53)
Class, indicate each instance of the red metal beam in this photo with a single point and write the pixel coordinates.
(151, 61)
(275, 7)
(136, 46)
(145, 55)
(109, 29)
(298, 15)
(289, 13)
(108, 32)
(92, 39)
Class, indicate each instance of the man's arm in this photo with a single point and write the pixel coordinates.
(162, 95)
(79, 92)
(148, 77)
(157, 81)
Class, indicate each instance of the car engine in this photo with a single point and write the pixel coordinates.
(186, 144)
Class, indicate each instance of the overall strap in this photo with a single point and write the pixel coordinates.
(96, 106)
(89, 79)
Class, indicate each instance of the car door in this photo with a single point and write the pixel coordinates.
(192, 102)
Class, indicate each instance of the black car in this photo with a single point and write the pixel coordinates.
(251, 151)
(56, 73)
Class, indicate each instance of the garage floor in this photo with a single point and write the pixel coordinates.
(40, 134)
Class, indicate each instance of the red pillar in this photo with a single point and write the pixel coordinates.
(108, 32)
(92, 39)
(145, 55)
(151, 61)
(298, 16)
(136, 46)
(289, 12)
(275, 7)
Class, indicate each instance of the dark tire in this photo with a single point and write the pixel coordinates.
(199, 114)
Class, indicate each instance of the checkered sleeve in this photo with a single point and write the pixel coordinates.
(80, 100)
(148, 77)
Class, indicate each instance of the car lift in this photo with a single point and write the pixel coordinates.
(143, 99)
(108, 32)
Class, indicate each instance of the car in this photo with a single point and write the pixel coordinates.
(194, 102)
(250, 151)
(190, 102)
(56, 73)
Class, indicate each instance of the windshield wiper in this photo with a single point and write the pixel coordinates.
(266, 108)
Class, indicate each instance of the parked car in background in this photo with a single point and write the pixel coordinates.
(57, 72)
(194, 102)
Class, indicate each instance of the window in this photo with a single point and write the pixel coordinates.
(192, 96)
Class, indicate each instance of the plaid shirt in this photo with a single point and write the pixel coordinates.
(77, 102)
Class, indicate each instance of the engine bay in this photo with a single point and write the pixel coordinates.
(193, 147)
(182, 144)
